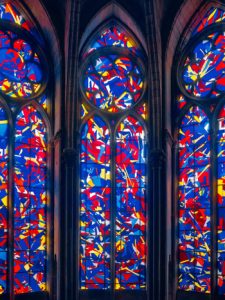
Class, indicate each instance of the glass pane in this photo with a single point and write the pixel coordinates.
(30, 202)
(214, 15)
(113, 82)
(142, 111)
(130, 205)
(21, 72)
(181, 102)
(194, 248)
(95, 183)
(9, 13)
(221, 201)
(113, 36)
(4, 133)
(202, 70)
(83, 111)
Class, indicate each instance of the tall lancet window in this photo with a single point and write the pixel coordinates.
(24, 132)
(200, 110)
(113, 154)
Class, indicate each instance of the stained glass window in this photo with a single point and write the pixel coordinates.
(113, 82)
(4, 194)
(95, 204)
(130, 205)
(21, 73)
(213, 15)
(194, 202)
(114, 36)
(23, 155)
(220, 201)
(113, 172)
(201, 166)
(30, 202)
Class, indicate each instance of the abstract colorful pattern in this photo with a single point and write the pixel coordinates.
(21, 73)
(214, 15)
(113, 82)
(4, 131)
(142, 110)
(95, 205)
(9, 13)
(194, 202)
(181, 101)
(30, 202)
(83, 111)
(44, 102)
(203, 73)
(131, 205)
(113, 36)
(221, 202)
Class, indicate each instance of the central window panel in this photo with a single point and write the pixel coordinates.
(113, 163)
(200, 115)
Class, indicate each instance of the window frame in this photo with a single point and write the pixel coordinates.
(116, 118)
(46, 115)
(204, 104)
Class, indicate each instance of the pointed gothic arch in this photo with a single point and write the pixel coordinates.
(26, 93)
(198, 190)
(112, 53)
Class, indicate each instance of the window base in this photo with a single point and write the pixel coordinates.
(28, 296)
(182, 295)
(107, 295)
